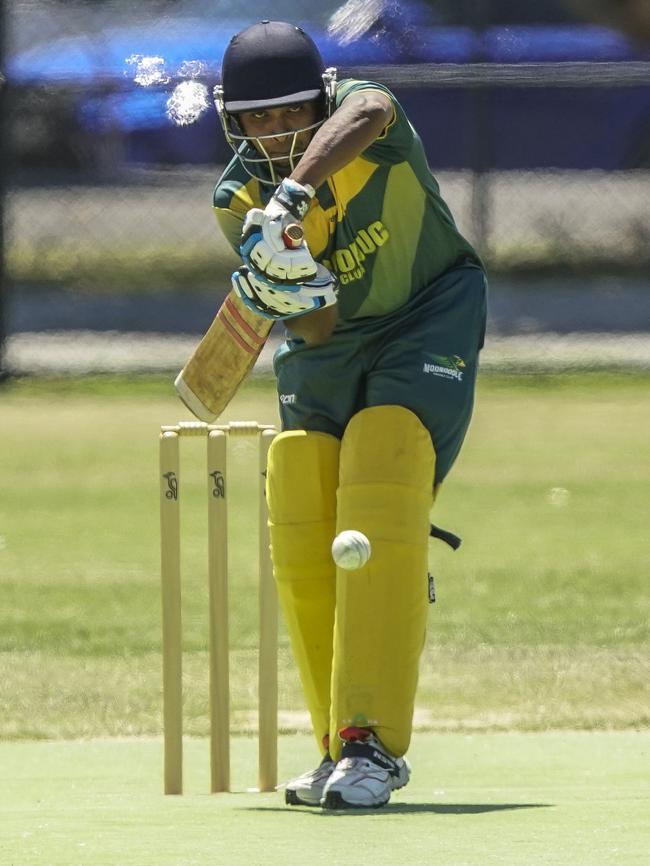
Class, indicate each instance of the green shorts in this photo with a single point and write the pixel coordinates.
(423, 357)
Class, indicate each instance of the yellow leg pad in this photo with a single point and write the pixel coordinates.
(385, 490)
(302, 477)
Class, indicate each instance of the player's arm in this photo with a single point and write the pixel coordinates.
(354, 126)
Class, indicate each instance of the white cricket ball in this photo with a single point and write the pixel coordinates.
(351, 549)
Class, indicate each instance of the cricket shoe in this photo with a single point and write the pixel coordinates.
(365, 776)
(307, 790)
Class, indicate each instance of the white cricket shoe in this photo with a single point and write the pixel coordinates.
(307, 790)
(365, 776)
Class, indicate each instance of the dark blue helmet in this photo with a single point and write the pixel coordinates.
(268, 65)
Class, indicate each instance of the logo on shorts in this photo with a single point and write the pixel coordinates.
(446, 366)
(287, 399)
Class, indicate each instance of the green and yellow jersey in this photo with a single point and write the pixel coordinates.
(379, 223)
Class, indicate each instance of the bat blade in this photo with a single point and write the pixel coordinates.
(222, 360)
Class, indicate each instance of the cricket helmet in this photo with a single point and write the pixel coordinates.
(268, 65)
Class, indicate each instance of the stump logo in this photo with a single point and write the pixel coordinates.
(219, 489)
(172, 485)
(446, 366)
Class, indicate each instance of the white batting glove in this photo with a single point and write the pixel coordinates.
(284, 301)
(263, 246)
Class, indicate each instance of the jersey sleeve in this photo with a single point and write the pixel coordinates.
(396, 141)
(231, 225)
(230, 212)
(233, 197)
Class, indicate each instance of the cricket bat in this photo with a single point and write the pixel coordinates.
(227, 352)
(223, 359)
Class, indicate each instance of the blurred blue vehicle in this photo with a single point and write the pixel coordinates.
(480, 123)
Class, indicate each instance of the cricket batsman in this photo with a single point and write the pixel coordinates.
(344, 236)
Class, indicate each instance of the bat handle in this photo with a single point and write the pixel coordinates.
(293, 235)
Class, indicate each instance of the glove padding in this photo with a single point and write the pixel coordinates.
(262, 246)
(284, 301)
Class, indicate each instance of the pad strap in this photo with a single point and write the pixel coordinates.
(444, 535)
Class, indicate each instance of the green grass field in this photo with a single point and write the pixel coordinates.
(540, 631)
(515, 799)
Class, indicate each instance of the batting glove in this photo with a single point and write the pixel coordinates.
(284, 301)
(263, 246)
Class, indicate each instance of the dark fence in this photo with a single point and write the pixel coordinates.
(539, 136)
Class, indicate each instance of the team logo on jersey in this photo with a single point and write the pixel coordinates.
(347, 262)
(446, 366)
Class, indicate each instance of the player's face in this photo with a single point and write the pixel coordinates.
(276, 130)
